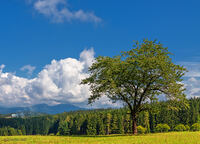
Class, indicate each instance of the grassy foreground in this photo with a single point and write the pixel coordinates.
(160, 138)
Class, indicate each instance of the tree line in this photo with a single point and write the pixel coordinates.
(106, 121)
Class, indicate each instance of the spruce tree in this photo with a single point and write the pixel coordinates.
(91, 127)
(100, 126)
(108, 120)
(63, 128)
(146, 121)
(114, 127)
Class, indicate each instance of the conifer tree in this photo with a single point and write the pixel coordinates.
(146, 121)
(100, 126)
(120, 125)
(91, 127)
(63, 128)
(114, 126)
(108, 120)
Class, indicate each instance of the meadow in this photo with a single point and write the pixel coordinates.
(158, 138)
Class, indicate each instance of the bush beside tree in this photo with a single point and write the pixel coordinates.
(180, 127)
(195, 127)
(162, 128)
(187, 127)
(141, 129)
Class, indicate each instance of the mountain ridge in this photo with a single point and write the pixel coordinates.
(41, 108)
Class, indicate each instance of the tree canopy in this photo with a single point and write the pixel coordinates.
(137, 77)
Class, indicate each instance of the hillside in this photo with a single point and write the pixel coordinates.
(41, 108)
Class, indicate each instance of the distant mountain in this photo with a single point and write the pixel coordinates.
(41, 108)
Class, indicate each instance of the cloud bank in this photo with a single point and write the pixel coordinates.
(192, 79)
(58, 11)
(28, 68)
(58, 82)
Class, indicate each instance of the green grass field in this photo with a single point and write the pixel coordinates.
(160, 138)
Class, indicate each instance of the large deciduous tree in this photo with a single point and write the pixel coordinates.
(137, 77)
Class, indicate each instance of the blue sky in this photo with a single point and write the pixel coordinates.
(28, 37)
(34, 32)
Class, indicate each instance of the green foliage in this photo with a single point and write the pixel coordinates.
(19, 132)
(100, 122)
(187, 127)
(51, 134)
(162, 128)
(180, 127)
(137, 77)
(91, 127)
(120, 125)
(100, 128)
(75, 126)
(115, 128)
(108, 120)
(141, 130)
(58, 134)
(23, 130)
(9, 131)
(64, 128)
(195, 127)
(4, 131)
(127, 123)
(146, 122)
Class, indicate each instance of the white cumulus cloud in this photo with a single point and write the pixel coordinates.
(28, 68)
(58, 11)
(58, 82)
(191, 79)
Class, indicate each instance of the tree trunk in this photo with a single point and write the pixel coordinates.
(134, 124)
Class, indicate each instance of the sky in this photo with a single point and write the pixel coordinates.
(46, 46)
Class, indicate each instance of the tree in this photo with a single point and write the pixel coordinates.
(75, 128)
(120, 125)
(23, 130)
(100, 126)
(127, 124)
(19, 132)
(136, 77)
(146, 122)
(63, 128)
(114, 126)
(91, 126)
(108, 119)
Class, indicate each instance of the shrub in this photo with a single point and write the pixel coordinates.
(11, 131)
(180, 127)
(187, 128)
(141, 130)
(195, 127)
(58, 134)
(162, 128)
(51, 134)
(19, 132)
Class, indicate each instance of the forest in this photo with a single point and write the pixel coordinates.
(160, 118)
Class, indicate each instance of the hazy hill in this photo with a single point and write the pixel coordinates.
(41, 108)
